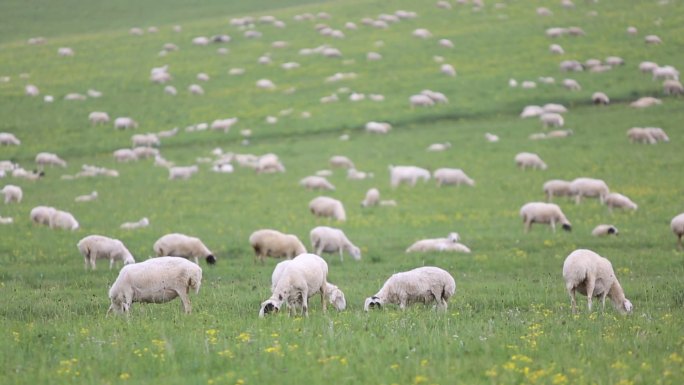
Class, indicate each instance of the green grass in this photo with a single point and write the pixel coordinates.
(510, 320)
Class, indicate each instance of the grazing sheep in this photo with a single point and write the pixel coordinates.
(604, 230)
(592, 275)
(677, 226)
(223, 124)
(145, 152)
(438, 147)
(181, 245)
(652, 39)
(269, 163)
(124, 123)
(315, 182)
(98, 117)
(335, 295)
(450, 243)
(491, 138)
(62, 220)
(86, 198)
(155, 280)
(665, 73)
(46, 158)
(144, 222)
(8, 139)
(531, 111)
(640, 135)
(273, 243)
(551, 119)
(556, 49)
(372, 198)
(658, 134)
(673, 87)
(531, 160)
(420, 100)
(94, 247)
(448, 69)
(327, 207)
(378, 127)
(31, 90)
(329, 240)
(572, 85)
(12, 193)
(125, 155)
(600, 98)
(589, 187)
(556, 187)
(543, 213)
(407, 174)
(41, 214)
(195, 89)
(447, 176)
(421, 285)
(616, 200)
(182, 172)
(145, 140)
(299, 279)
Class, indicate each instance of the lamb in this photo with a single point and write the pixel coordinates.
(12, 193)
(438, 244)
(677, 226)
(182, 172)
(421, 285)
(181, 245)
(155, 280)
(143, 222)
(407, 174)
(528, 159)
(448, 176)
(94, 247)
(592, 275)
(315, 182)
(273, 243)
(329, 240)
(86, 198)
(372, 198)
(616, 200)
(604, 230)
(41, 214)
(328, 207)
(62, 220)
(300, 279)
(491, 138)
(589, 187)
(556, 187)
(8, 139)
(46, 158)
(335, 295)
(543, 213)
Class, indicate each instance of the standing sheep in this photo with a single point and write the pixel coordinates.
(180, 245)
(155, 280)
(603, 230)
(94, 247)
(62, 220)
(300, 279)
(447, 176)
(615, 200)
(329, 240)
(335, 295)
(273, 243)
(407, 174)
(372, 198)
(677, 226)
(589, 187)
(315, 182)
(41, 214)
(556, 187)
(46, 158)
(328, 207)
(12, 193)
(341, 161)
(8, 139)
(592, 275)
(528, 159)
(182, 172)
(125, 122)
(543, 213)
(420, 285)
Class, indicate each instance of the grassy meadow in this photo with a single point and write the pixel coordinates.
(510, 320)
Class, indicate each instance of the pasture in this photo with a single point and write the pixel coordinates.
(510, 320)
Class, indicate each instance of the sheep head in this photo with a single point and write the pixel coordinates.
(337, 298)
(355, 253)
(567, 227)
(372, 303)
(269, 306)
(211, 259)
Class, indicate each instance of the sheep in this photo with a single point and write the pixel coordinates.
(592, 275)
(421, 285)
(589, 187)
(94, 247)
(645, 102)
(438, 244)
(273, 243)
(30, 175)
(182, 172)
(372, 198)
(447, 176)
(647, 66)
(300, 279)
(170, 90)
(378, 127)
(556, 49)
(329, 240)
(8, 139)
(12, 193)
(265, 84)
(407, 174)
(616, 200)
(665, 73)
(6, 220)
(528, 159)
(658, 134)
(531, 111)
(448, 69)
(145, 152)
(335, 295)
(572, 85)
(195, 89)
(328, 207)
(156, 280)
(652, 39)
(65, 51)
(223, 124)
(556, 187)
(604, 230)
(316, 183)
(124, 123)
(125, 155)
(62, 220)
(86, 198)
(420, 100)
(181, 245)
(437, 147)
(491, 138)
(31, 90)
(143, 222)
(46, 158)
(543, 213)
(269, 163)
(145, 140)
(677, 226)
(673, 87)
(41, 214)
(354, 174)
(552, 119)
(98, 117)
(600, 98)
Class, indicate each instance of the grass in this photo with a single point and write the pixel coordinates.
(510, 320)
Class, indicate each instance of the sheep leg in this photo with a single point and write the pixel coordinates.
(187, 306)
(528, 225)
(603, 301)
(553, 225)
(679, 241)
(591, 283)
(324, 298)
(305, 304)
(341, 254)
(111, 263)
(573, 302)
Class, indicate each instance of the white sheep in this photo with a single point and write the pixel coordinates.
(328, 207)
(448, 69)
(182, 172)
(378, 127)
(552, 119)
(315, 182)
(145, 140)
(354, 174)
(41, 214)
(31, 90)
(87, 198)
(269, 163)
(448, 176)
(645, 102)
(12, 193)
(145, 152)
(677, 226)
(195, 89)
(341, 161)
(556, 187)
(600, 98)
(652, 39)
(98, 117)
(124, 122)
(543, 213)
(372, 198)
(438, 147)
(531, 160)
(62, 220)
(592, 275)
(47, 158)
(8, 139)
(421, 285)
(156, 280)
(491, 138)
(604, 230)
(143, 222)
(572, 85)
(326, 239)
(273, 243)
(6, 220)
(181, 245)
(407, 174)
(673, 87)
(617, 200)
(300, 279)
(223, 124)
(450, 243)
(589, 187)
(125, 155)
(335, 295)
(94, 247)
(420, 100)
